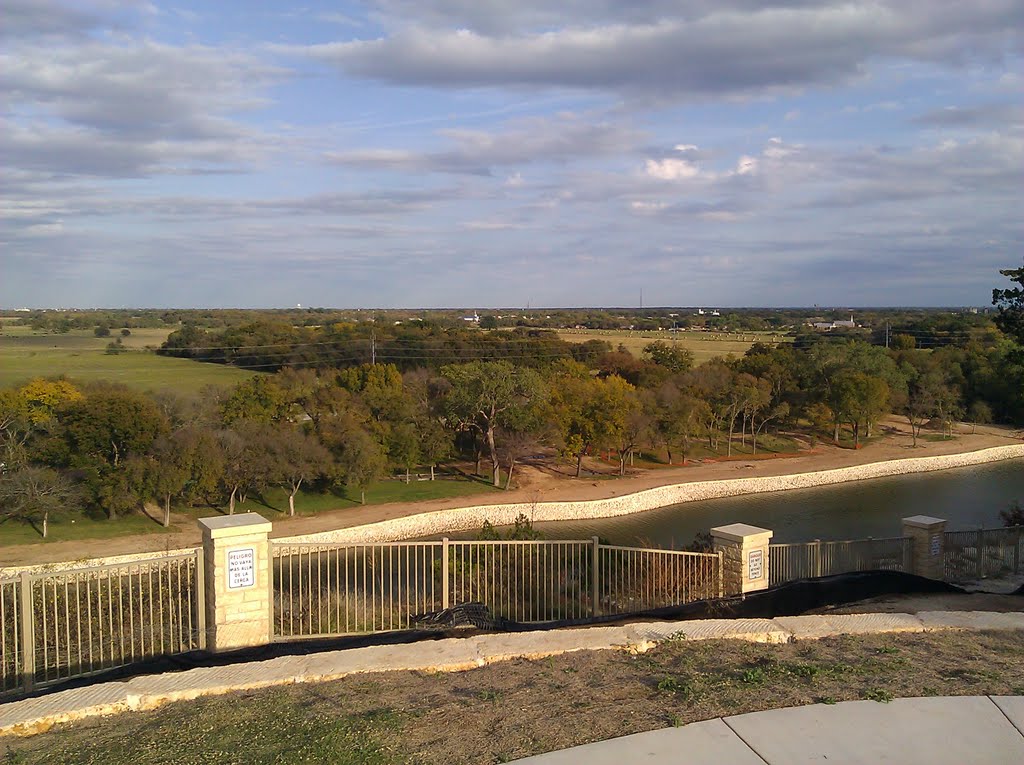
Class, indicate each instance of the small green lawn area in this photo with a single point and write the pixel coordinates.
(379, 493)
(274, 504)
(79, 527)
(82, 357)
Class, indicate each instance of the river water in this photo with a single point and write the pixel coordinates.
(967, 497)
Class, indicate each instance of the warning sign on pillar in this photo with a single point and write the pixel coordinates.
(755, 565)
(241, 568)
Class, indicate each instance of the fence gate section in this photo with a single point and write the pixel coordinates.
(983, 553)
(63, 624)
(807, 560)
(340, 589)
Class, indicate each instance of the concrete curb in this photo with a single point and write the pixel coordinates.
(36, 715)
(466, 518)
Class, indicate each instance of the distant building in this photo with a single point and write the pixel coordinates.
(474, 318)
(828, 326)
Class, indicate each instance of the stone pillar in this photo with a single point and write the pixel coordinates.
(928, 545)
(236, 554)
(744, 551)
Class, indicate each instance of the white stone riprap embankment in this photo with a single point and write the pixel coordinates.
(465, 518)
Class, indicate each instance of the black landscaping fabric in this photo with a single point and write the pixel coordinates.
(790, 599)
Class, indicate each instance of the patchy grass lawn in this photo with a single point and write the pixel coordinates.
(311, 503)
(25, 354)
(274, 501)
(511, 710)
(79, 527)
(703, 345)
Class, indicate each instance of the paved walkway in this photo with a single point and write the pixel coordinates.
(953, 730)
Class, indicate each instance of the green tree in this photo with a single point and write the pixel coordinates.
(169, 471)
(979, 413)
(863, 399)
(1010, 303)
(99, 434)
(362, 461)
(487, 394)
(36, 494)
(244, 449)
(673, 357)
(258, 399)
(295, 458)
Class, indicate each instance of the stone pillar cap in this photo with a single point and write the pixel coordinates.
(737, 532)
(922, 521)
(234, 525)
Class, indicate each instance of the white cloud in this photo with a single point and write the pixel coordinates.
(671, 169)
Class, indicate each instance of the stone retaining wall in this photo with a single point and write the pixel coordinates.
(465, 518)
(39, 568)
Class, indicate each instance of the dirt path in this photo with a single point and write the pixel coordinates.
(544, 484)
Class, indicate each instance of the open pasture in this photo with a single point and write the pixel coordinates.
(703, 345)
(26, 354)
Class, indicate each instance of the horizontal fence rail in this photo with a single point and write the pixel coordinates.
(338, 589)
(59, 625)
(983, 553)
(807, 560)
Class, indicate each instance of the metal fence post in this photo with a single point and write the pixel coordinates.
(445, 575)
(595, 579)
(721, 574)
(200, 586)
(981, 553)
(1016, 553)
(28, 634)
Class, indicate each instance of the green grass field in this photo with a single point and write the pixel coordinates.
(272, 505)
(79, 355)
(703, 345)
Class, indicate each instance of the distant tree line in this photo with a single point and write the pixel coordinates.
(330, 416)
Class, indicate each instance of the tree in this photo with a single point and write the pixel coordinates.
(35, 494)
(101, 331)
(43, 398)
(169, 471)
(979, 413)
(863, 399)
(671, 356)
(426, 393)
(362, 461)
(678, 415)
(296, 457)
(487, 394)
(99, 434)
(15, 428)
(244, 449)
(258, 399)
(1010, 304)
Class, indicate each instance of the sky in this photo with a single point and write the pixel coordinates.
(506, 153)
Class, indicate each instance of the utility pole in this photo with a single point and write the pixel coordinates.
(373, 347)
(887, 335)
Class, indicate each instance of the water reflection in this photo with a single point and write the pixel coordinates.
(967, 497)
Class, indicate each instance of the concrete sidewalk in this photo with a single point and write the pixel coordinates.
(952, 730)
